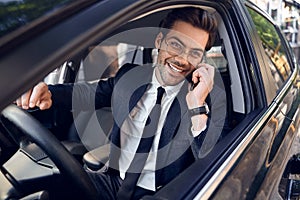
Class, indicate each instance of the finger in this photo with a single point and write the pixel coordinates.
(205, 75)
(18, 102)
(206, 66)
(45, 101)
(208, 78)
(38, 94)
(196, 76)
(45, 104)
(210, 70)
(25, 100)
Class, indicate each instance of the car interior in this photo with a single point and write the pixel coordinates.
(85, 133)
(89, 130)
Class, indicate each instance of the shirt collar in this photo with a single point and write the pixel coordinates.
(170, 90)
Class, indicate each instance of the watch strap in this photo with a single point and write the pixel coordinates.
(199, 110)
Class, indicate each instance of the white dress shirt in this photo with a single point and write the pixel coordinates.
(132, 130)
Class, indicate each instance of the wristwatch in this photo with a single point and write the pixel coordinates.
(200, 110)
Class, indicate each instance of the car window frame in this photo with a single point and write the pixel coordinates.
(272, 94)
(95, 35)
(215, 159)
(208, 161)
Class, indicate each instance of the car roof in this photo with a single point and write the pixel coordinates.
(28, 54)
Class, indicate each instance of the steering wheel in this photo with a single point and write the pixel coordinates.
(65, 162)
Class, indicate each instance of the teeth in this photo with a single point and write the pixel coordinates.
(174, 68)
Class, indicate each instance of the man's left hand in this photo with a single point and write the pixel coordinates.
(203, 78)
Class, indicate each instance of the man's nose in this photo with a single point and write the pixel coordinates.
(184, 56)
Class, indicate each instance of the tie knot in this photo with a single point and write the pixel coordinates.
(160, 93)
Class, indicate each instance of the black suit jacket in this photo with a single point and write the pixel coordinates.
(179, 149)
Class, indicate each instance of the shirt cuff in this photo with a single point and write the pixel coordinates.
(197, 133)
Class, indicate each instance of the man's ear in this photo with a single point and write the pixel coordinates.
(158, 40)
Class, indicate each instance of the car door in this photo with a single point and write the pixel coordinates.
(259, 171)
(254, 162)
(255, 148)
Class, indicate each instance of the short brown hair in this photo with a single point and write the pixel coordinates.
(195, 16)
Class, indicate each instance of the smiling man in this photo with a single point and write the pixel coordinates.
(147, 152)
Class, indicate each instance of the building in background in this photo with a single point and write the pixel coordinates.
(286, 14)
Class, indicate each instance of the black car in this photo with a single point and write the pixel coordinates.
(43, 154)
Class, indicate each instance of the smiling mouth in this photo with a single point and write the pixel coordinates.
(175, 68)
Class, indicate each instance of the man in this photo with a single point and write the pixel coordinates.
(184, 131)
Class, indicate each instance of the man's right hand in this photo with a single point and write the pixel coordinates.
(39, 96)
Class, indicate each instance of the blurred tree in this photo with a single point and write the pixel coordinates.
(265, 30)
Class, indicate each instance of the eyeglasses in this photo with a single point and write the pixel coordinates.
(175, 48)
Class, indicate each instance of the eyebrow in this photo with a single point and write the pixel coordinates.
(176, 38)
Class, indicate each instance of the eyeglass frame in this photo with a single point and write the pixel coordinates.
(183, 51)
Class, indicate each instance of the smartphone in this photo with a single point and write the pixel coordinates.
(190, 75)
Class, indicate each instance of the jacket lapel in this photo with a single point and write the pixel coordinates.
(128, 90)
(171, 123)
(176, 115)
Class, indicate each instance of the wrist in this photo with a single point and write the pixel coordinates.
(196, 104)
(199, 123)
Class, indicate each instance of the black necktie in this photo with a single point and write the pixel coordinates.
(136, 166)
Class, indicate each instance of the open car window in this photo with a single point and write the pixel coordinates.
(133, 43)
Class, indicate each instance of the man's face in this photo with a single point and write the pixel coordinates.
(180, 52)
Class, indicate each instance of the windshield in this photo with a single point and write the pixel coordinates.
(18, 13)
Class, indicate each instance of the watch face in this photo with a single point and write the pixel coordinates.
(206, 108)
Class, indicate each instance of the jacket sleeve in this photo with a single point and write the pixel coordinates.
(86, 96)
(82, 96)
(217, 124)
